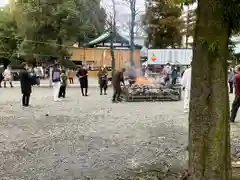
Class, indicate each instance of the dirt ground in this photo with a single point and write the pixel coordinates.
(89, 137)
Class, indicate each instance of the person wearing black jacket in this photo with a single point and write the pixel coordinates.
(1, 79)
(82, 75)
(1, 75)
(26, 86)
(118, 77)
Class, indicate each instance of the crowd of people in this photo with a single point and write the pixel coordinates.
(7, 75)
(30, 76)
(169, 74)
(60, 78)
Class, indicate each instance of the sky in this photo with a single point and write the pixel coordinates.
(3, 3)
(123, 13)
(123, 8)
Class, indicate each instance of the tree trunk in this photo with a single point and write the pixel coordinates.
(187, 27)
(113, 35)
(209, 139)
(133, 16)
(113, 57)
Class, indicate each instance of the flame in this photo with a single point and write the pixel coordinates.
(143, 81)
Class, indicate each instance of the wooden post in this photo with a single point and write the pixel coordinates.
(84, 57)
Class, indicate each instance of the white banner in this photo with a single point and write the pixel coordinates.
(172, 56)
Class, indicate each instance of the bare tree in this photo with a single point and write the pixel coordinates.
(189, 23)
(113, 35)
(187, 26)
(134, 12)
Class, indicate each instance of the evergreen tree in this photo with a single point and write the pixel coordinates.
(163, 24)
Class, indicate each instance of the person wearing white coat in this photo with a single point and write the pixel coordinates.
(7, 74)
(186, 83)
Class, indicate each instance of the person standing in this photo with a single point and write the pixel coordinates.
(1, 74)
(174, 75)
(167, 73)
(49, 73)
(56, 80)
(116, 82)
(231, 75)
(37, 75)
(236, 102)
(184, 69)
(41, 72)
(7, 74)
(70, 76)
(103, 80)
(1, 79)
(186, 83)
(82, 75)
(26, 86)
(62, 91)
(143, 70)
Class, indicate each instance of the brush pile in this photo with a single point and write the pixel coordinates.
(138, 92)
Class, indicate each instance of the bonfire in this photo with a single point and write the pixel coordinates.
(144, 81)
(149, 88)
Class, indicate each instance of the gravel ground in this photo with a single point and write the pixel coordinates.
(88, 137)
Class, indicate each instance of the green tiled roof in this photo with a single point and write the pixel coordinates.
(106, 36)
(99, 39)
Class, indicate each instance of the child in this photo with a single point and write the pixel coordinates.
(62, 91)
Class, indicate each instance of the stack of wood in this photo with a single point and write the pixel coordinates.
(143, 90)
(149, 89)
(153, 91)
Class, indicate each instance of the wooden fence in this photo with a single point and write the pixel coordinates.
(102, 56)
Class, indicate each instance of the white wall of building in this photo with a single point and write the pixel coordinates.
(172, 56)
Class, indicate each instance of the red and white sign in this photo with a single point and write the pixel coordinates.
(154, 58)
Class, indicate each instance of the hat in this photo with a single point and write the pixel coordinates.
(123, 69)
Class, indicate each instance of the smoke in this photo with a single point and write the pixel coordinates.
(133, 73)
(137, 74)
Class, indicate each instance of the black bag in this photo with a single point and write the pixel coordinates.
(33, 79)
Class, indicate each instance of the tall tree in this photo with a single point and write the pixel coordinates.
(8, 28)
(132, 6)
(209, 136)
(42, 27)
(48, 26)
(189, 25)
(113, 34)
(94, 21)
(163, 24)
(189, 19)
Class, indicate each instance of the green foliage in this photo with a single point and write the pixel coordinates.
(8, 27)
(232, 15)
(95, 23)
(164, 25)
(190, 24)
(185, 2)
(44, 28)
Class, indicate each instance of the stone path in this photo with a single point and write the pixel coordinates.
(84, 137)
